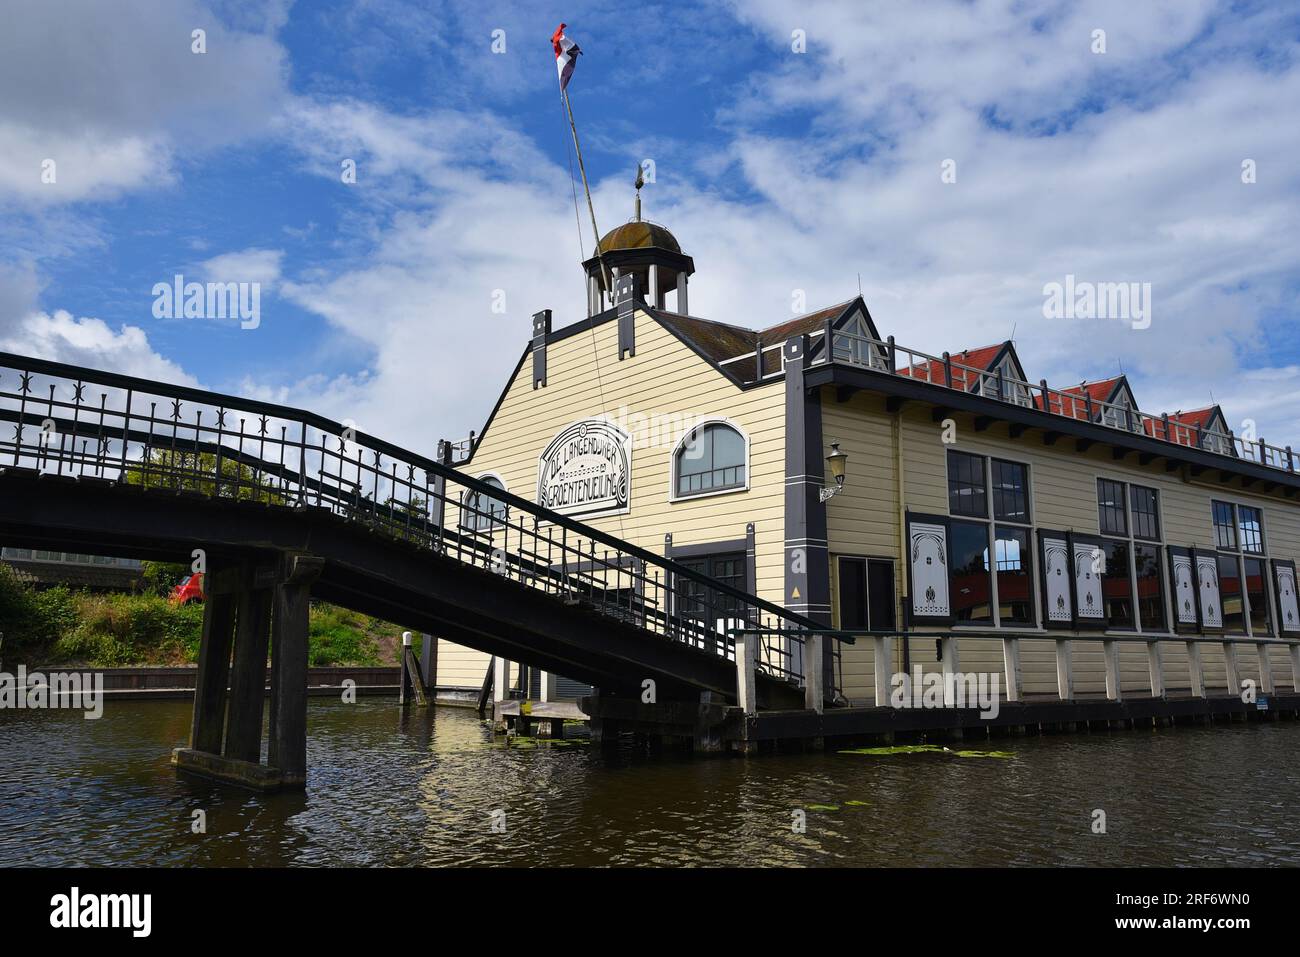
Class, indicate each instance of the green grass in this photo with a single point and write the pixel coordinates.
(112, 630)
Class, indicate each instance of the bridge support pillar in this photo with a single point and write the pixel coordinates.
(244, 607)
(208, 726)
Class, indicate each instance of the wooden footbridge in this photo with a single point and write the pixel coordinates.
(282, 505)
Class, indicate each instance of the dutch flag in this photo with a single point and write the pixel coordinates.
(566, 55)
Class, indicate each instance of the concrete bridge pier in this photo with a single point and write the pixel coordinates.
(248, 607)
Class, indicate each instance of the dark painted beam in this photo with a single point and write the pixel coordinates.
(1171, 465)
(844, 393)
(1017, 429)
(982, 422)
(894, 403)
(939, 413)
(1146, 458)
(1083, 445)
(1051, 437)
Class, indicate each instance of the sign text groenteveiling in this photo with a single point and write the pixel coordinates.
(587, 468)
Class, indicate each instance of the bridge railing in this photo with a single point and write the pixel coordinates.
(63, 420)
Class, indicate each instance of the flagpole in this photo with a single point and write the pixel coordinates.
(604, 272)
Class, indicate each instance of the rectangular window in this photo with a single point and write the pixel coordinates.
(1015, 584)
(1250, 522)
(1150, 586)
(1010, 491)
(866, 594)
(966, 494)
(971, 578)
(1110, 507)
(1225, 528)
(1234, 619)
(697, 600)
(1257, 596)
(1146, 513)
(1116, 589)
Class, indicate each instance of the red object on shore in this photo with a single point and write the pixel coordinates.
(191, 589)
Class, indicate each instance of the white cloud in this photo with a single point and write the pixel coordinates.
(245, 265)
(90, 342)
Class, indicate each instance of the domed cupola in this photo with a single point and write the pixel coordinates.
(645, 250)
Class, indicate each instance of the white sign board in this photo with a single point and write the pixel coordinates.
(587, 469)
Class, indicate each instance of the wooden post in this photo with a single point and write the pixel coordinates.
(1196, 669)
(501, 680)
(951, 664)
(1110, 651)
(746, 674)
(287, 749)
(1230, 666)
(248, 675)
(1155, 667)
(1265, 669)
(1295, 667)
(1064, 670)
(884, 664)
(1011, 665)
(549, 686)
(207, 728)
(813, 678)
(429, 658)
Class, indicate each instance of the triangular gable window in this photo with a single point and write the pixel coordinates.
(854, 342)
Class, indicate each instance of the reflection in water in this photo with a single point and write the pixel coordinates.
(394, 787)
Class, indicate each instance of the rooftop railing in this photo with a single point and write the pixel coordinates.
(887, 357)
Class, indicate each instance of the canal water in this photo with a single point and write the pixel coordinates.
(388, 787)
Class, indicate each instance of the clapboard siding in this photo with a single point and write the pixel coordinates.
(864, 519)
(659, 394)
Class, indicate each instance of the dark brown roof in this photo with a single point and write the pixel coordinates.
(715, 341)
(809, 322)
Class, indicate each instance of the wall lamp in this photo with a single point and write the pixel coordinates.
(836, 462)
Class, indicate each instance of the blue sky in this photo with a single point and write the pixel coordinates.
(781, 172)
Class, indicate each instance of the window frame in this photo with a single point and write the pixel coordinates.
(673, 495)
(491, 522)
(991, 523)
(1132, 542)
(1240, 555)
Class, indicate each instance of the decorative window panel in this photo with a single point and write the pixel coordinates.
(1207, 583)
(929, 563)
(1184, 584)
(1288, 606)
(1056, 580)
(1089, 562)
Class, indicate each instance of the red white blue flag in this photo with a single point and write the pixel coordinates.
(566, 55)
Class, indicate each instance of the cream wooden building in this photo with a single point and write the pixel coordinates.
(976, 501)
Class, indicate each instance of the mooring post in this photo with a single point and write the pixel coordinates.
(951, 665)
(1155, 667)
(883, 666)
(813, 680)
(290, 625)
(404, 678)
(1011, 665)
(1195, 669)
(746, 673)
(207, 728)
(500, 692)
(1110, 651)
(248, 671)
(1265, 669)
(1064, 670)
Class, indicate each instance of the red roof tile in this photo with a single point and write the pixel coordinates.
(932, 370)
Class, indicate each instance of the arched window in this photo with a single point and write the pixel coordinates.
(711, 458)
(480, 511)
